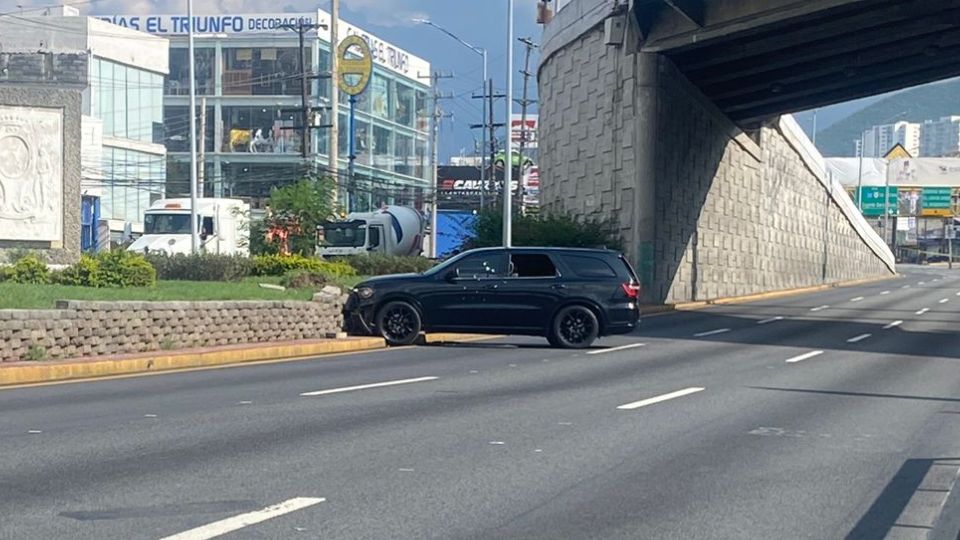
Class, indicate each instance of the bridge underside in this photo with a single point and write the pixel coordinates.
(756, 59)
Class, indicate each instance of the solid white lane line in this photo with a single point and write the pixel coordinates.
(803, 357)
(712, 332)
(235, 523)
(620, 348)
(884, 293)
(366, 386)
(659, 399)
(859, 338)
(770, 320)
(820, 308)
(857, 299)
(922, 311)
(944, 301)
(894, 324)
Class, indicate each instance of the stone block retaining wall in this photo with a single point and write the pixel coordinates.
(87, 329)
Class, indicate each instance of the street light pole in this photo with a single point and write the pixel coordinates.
(483, 118)
(194, 221)
(508, 162)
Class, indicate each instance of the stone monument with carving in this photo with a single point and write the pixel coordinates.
(40, 171)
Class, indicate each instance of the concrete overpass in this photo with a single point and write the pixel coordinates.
(759, 58)
(664, 117)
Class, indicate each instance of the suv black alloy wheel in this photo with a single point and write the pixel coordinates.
(399, 323)
(575, 327)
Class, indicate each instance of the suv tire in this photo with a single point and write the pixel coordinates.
(574, 327)
(399, 323)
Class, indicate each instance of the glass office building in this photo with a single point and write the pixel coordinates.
(248, 81)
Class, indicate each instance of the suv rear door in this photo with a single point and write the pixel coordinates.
(529, 294)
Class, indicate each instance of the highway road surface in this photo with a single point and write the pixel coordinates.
(828, 415)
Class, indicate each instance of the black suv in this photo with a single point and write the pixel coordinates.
(569, 296)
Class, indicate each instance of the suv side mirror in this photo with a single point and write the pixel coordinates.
(452, 275)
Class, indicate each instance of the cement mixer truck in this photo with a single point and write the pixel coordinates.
(392, 230)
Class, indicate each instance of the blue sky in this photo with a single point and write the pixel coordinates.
(481, 23)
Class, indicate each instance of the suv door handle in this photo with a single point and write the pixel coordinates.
(492, 287)
(559, 286)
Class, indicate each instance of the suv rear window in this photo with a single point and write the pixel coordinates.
(589, 267)
(528, 265)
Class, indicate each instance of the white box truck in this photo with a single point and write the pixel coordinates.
(223, 224)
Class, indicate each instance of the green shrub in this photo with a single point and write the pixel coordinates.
(14, 255)
(121, 268)
(81, 274)
(544, 231)
(6, 272)
(305, 279)
(36, 353)
(279, 265)
(30, 269)
(379, 265)
(201, 267)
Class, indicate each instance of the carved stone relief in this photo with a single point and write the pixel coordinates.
(31, 174)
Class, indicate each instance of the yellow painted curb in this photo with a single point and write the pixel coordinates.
(451, 337)
(166, 361)
(691, 306)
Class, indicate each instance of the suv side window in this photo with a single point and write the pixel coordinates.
(482, 265)
(588, 267)
(531, 265)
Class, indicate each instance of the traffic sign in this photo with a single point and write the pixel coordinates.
(355, 65)
(937, 201)
(871, 200)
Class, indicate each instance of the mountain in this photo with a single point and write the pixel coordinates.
(928, 102)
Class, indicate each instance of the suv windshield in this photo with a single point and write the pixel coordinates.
(166, 224)
(345, 235)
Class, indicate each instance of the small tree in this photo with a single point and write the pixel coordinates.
(556, 230)
(295, 213)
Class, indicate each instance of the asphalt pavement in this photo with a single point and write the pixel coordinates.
(834, 414)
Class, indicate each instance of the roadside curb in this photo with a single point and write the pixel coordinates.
(23, 373)
(692, 306)
(433, 339)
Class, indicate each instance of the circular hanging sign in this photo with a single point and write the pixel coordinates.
(354, 72)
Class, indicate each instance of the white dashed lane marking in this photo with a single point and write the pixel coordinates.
(820, 308)
(859, 338)
(235, 523)
(712, 332)
(857, 299)
(617, 349)
(922, 311)
(660, 399)
(770, 320)
(894, 324)
(366, 386)
(803, 357)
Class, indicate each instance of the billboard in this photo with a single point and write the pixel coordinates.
(516, 130)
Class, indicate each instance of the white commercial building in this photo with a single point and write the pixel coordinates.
(879, 140)
(248, 76)
(941, 137)
(123, 156)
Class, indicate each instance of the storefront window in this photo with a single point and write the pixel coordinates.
(406, 103)
(404, 161)
(177, 129)
(382, 148)
(266, 71)
(380, 96)
(423, 111)
(178, 82)
(260, 130)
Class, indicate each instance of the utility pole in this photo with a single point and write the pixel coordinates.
(489, 125)
(435, 154)
(202, 141)
(524, 102)
(334, 159)
(194, 219)
(305, 111)
(508, 165)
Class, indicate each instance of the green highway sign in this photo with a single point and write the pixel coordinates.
(871, 200)
(937, 201)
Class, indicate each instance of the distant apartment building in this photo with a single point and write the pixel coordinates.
(120, 73)
(941, 137)
(878, 140)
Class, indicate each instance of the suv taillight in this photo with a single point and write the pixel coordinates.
(632, 290)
